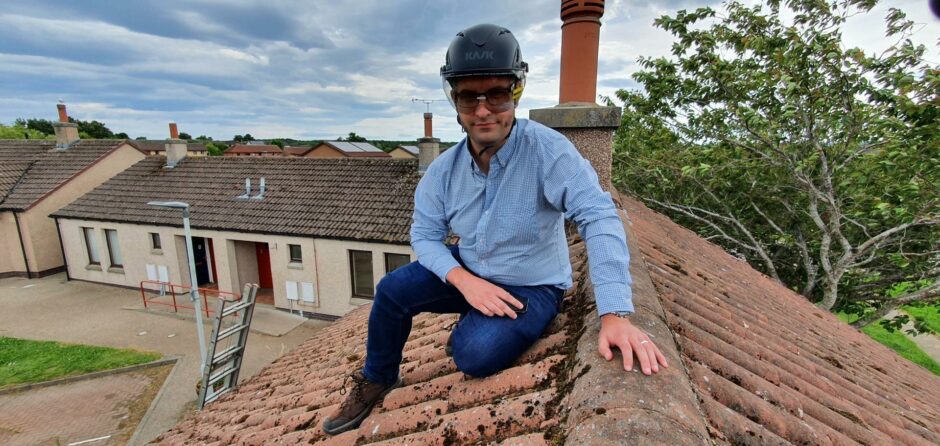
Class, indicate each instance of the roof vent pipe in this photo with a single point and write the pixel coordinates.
(247, 194)
(260, 190)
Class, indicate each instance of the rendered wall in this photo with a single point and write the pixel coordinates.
(11, 262)
(40, 236)
(325, 263)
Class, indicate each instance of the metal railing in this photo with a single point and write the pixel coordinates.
(166, 294)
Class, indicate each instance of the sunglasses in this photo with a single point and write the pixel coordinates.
(495, 100)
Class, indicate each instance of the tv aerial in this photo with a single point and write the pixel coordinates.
(427, 102)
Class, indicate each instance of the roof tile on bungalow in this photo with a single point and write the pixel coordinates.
(32, 168)
(751, 362)
(332, 198)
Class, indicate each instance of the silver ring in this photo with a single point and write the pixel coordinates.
(643, 342)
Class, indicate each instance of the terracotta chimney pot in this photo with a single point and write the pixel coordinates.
(174, 133)
(580, 36)
(63, 115)
(427, 125)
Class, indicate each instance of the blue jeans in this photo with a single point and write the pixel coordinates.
(482, 345)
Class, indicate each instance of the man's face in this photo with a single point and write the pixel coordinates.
(487, 124)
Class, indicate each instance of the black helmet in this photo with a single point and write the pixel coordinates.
(484, 50)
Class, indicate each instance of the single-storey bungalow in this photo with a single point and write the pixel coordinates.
(317, 234)
(403, 151)
(345, 149)
(259, 150)
(38, 177)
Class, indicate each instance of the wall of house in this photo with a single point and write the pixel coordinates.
(401, 153)
(11, 262)
(41, 239)
(336, 276)
(325, 263)
(324, 151)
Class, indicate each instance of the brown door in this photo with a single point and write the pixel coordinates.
(264, 265)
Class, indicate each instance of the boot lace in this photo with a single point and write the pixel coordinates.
(358, 380)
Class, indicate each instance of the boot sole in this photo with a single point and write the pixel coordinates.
(355, 422)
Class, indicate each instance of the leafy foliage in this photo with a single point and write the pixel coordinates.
(19, 131)
(819, 164)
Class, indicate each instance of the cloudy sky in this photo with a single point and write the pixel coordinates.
(304, 69)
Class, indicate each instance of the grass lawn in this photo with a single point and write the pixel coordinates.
(24, 361)
(931, 315)
(900, 343)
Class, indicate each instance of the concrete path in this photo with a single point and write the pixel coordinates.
(55, 309)
(928, 342)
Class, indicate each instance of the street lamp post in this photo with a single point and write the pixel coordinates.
(193, 286)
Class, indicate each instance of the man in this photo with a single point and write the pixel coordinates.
(505, 190)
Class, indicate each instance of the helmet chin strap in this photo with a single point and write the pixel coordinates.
(489, 146)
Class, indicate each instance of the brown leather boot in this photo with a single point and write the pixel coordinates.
(362, 398)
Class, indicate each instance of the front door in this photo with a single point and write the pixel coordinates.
(264, 266)
(199, 256)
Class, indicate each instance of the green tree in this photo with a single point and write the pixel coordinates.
(41, 125)
(215, 148)
(93, 129)
(185, 136)
(16, 131)
(353, 137)
(815, 162)
(278, 142)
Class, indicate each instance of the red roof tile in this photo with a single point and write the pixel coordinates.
(252, 148)
(755, 364)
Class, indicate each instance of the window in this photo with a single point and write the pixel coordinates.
(91, 246)
(296, 256)
(394, 261)
(155, 241)
(360, 265)
(114, 250)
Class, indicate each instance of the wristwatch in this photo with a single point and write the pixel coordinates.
(622, 314)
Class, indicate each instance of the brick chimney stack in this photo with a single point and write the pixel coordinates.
(577, 116)
(175, 148)
(580, 36)
(66, 133)
(429, 147)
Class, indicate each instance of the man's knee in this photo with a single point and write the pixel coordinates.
(482, 356)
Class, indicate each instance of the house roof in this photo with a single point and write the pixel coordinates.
(330, 198)
(360, 149)
(35, 168)
(410, 149)
(751, 362)
(253, 148)
(297, 150)
(160, 146)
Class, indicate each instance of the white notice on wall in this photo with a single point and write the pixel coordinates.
(291, 290)
(307, 294)
(151, 272)
(163, 275)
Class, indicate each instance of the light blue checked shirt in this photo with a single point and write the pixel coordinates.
(511, 221)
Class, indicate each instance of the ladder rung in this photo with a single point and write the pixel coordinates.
(226, 354)
(235, 308)
(219, 375)
(230, 331)
(215, 396)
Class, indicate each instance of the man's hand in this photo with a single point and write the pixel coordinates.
(619, 332)
(487, 298)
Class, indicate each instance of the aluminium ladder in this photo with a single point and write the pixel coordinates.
(220, 374)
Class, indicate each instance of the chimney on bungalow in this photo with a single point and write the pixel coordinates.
(66, 133)
(175, 147)
(429, 147)
(577, 116)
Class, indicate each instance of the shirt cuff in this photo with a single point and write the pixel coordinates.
(613, 298)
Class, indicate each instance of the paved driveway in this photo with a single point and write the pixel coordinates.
(55, 309)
